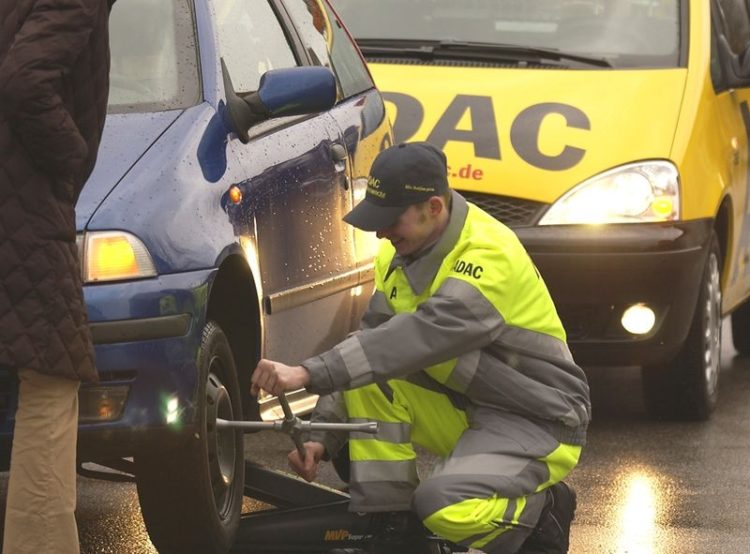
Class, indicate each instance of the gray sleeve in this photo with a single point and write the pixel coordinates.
(455, 320)
(330, 409)
(378, 312)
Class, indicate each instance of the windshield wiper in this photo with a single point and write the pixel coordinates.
(489, 51)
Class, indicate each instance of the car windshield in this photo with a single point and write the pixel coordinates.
(626, 33)
(154, 64)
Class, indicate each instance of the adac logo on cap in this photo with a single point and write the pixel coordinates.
(373, 187)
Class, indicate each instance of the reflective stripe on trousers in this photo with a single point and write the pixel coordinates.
(488, 489)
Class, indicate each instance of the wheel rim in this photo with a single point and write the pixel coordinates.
(222, 451)
(712, 326)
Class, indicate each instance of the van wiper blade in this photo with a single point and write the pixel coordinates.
(430, 49)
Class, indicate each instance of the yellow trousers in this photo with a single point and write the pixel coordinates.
(487, 491)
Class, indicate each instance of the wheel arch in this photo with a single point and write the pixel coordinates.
(233, 304)
(723, 227)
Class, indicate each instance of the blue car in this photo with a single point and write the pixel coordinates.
(239, 133)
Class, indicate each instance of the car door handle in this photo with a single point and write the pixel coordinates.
(338, 153)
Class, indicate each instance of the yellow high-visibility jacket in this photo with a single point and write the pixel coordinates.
(475, 315)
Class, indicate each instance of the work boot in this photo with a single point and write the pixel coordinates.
(552, 532)
(403, 533)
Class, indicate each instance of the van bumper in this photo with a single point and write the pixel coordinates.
(595, 272)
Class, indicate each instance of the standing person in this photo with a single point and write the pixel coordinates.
(54, 83)
(461, 351)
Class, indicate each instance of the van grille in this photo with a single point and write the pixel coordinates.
(513, 212)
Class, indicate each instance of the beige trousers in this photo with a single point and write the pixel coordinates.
(39, 514)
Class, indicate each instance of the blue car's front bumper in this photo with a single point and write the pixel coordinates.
(147, 335)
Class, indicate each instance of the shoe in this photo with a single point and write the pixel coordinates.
(552, 532)
(403, 533)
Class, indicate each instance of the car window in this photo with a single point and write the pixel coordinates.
(735, 23)
(628, 33)
(251, 41)
(158, 70)
(329, 44)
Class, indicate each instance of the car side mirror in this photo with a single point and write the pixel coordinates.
(282, 92)
(736, 67)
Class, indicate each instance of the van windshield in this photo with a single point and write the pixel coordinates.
(154, 65)
(625, 33)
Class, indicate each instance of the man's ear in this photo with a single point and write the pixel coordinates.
(437, 205)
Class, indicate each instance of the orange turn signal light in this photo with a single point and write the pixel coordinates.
(235, 194)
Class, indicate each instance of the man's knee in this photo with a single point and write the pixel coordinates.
(436, 510)
(494, 523)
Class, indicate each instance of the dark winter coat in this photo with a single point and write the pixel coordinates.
(54, 82)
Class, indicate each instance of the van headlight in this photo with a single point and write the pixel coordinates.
(114, 256)
(634, 193)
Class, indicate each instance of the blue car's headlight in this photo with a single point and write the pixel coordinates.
(113, 256)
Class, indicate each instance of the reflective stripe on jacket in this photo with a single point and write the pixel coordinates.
(473, 313)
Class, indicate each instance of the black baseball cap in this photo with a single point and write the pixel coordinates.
(402, 175)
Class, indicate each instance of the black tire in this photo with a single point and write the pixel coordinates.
(741, 329)
(687, 387)
(191, 498)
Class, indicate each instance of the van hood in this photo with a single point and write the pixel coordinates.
(533, 133)
(125, 139)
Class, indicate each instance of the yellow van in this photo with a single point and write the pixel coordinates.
(612, 136)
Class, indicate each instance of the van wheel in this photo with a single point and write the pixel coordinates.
(741, 329)
(191, 497)
(687, 387)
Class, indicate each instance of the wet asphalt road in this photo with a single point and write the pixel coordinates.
(643, 487)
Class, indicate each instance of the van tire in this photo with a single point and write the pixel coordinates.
(687, 387)
(741, 329)
(191, 497)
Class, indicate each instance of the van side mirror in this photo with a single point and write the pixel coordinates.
(282, 92)
(736, 68)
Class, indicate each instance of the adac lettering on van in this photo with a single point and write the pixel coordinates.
(484, 135)
(468, 268)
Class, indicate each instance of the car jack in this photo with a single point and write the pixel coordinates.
(314, 519)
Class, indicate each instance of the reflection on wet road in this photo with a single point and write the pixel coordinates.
(648, 487)
(639, 497)
(643, 487)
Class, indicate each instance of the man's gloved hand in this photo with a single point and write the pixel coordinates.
(307, 468)
(275, 377)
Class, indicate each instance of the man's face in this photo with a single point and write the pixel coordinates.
(415, 228)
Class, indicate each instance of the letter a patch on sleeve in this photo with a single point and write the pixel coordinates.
(394, 293)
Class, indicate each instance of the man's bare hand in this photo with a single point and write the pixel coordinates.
(275, 377)
(307, 468)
